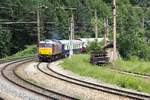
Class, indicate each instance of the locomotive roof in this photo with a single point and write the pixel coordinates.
(90, 39)
(68, 41)
(49, 42)
(64, 41)
(61, 41)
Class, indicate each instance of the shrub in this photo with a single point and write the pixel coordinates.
(133, 45)
(29, 51)
(95, 46)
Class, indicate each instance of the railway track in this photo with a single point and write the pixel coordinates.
(14, 59)
(50, 94)
(99, 87)
(8, 72)
(131, 73)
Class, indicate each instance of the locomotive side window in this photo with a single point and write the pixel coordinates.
(66, 47)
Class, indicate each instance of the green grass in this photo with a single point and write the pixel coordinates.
(80, 64)
(29, 51)
(142, 67)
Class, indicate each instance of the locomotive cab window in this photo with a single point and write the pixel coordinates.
(48, 45)
(41, 44)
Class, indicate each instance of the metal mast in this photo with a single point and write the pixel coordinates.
(114, 31)
(96, 25)
(71, 35)
(38, 24)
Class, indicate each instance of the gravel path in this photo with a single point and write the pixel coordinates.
(10, 91)
(80, 92)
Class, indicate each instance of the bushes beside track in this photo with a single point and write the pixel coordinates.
(94, 46)
(29, 51)
(134, 44)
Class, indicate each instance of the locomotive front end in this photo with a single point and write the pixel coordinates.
(44, 51)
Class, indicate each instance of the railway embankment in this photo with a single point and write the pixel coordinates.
(80, 65)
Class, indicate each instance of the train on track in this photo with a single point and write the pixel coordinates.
(49, 50)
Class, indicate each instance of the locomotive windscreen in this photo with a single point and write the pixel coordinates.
(45, 45)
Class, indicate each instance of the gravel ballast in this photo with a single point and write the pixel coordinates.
(10, 91)
(33, 74)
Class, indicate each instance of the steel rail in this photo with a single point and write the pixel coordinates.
(29, 89)
(136, 95)
(99, 87)
(131, 73)
(13, 59)
(10, 80)
(60, 95)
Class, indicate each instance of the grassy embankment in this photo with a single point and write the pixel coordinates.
(80, 64)
(29, 51)
(137, 66)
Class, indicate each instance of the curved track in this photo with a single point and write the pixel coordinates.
(50, 94)
(108, 89)
(14, 59)
(8, 72)
(146, 76)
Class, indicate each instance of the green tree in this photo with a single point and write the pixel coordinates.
(5, 42)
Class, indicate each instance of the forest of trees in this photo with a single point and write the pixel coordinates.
(133, 23)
